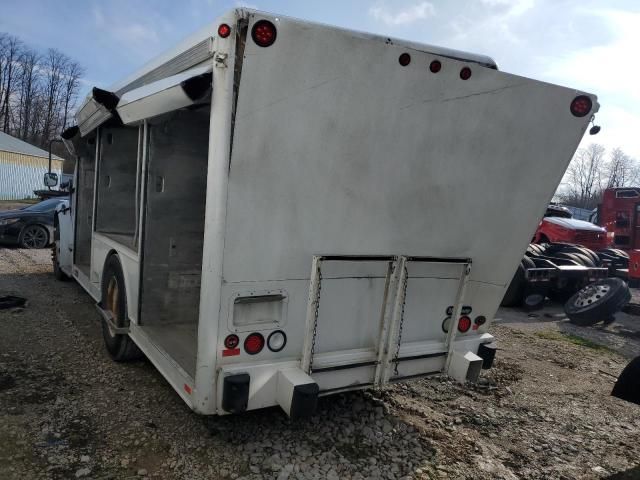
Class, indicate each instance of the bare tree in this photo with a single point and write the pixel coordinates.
(621, 170)
(72, 74)
(55, 64)
(38, 93)
(583, 179)
(29, 82)
(10, 52)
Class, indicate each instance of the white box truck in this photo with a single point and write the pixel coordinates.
(276, 210)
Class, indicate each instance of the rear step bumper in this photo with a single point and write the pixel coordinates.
(244, 387)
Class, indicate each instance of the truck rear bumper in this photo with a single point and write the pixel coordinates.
(244, 387)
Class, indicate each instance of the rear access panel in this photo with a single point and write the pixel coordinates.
(348, 300)
(375, 319)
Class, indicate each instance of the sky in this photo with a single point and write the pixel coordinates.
(589, 45)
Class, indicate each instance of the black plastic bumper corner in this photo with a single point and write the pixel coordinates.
(305, 400)
(487, 352)
(235, 393)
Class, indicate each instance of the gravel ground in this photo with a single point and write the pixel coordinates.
(68, 411)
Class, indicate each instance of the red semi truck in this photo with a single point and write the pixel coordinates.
(618, 213)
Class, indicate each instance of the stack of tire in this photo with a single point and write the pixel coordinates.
(555, 254)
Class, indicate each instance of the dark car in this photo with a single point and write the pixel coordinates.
(29, 227)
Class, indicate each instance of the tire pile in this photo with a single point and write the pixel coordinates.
(586, 303)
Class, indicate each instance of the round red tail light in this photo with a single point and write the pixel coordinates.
(254, 343)
(464, 324)
(264, 33)
(232, 341)
(224, 30)
(581, 106)
(435, 66)
(404, 59)
(465, 73)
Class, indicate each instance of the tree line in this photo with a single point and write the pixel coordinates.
(592, 170)
(38, 91)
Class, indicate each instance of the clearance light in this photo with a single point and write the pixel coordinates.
(435, 66)
(224, 30)
(264, 33)
(404, 59)
(580, 106)
(465, 73)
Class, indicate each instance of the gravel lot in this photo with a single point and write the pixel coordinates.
(68, 411)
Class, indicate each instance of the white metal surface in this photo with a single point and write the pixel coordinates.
(288, 379)
(464, 366)
(91, 115)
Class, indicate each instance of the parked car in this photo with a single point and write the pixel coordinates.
(557, 226)
(29, 227)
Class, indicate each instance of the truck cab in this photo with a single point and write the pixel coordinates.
(559, 226)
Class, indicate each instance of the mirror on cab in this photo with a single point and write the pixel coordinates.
(50, 179)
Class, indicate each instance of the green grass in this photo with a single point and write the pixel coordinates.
(567, 337)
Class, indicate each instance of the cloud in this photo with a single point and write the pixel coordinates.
(137, 37)
(403, 16)
(607, 69)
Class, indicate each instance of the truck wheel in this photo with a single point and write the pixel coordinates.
(57, 271)
(513, 295)
(597, 302)
(114, 299)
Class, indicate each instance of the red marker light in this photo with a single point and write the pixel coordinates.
(404, 59)
(465, 73)
(224, 30)
(581, 106)
(435, 66)
(264, 33)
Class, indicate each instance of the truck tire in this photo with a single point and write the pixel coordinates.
(628, 387)
(585, 260)
(57, 271)
(515, 291)
(114, 299)
(597, 302)
(590, 254)
(528, 263)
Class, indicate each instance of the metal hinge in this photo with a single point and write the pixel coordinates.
(220, 60)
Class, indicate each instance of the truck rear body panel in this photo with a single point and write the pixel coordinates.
(353, 203)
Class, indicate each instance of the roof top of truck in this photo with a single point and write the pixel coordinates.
(197, 48)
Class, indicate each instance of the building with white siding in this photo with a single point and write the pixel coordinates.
(22, 168)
